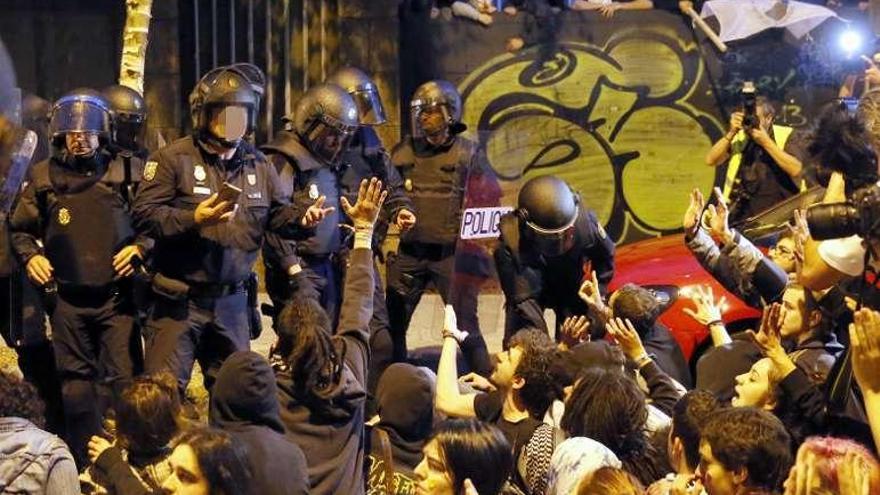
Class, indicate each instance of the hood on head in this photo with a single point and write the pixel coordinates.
(245, 393)
(405, 401)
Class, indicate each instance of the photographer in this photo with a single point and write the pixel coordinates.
(764, 165)
(842, 144)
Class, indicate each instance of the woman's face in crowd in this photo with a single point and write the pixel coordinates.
(431, 473)
(186, 475)
(753, 388)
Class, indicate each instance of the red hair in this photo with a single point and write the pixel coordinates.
(829, 453)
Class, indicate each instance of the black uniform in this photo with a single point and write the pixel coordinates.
(202, 310)
(532, 282)
(304, 178)
(436, 179)
(80, 214)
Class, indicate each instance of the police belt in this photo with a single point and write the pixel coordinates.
(78, 292)
(198, 290)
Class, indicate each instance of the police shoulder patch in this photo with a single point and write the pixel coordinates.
(601, 230)
(150, 170)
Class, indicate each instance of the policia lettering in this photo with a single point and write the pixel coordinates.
(76, 206)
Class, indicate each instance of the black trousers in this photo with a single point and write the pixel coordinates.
(205, 329)
(410, 271)
(92, 338)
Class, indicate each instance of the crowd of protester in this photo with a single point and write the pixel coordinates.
(609, 405)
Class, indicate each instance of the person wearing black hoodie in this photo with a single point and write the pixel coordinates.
(405, 403)
(244, 404)
(322, 377)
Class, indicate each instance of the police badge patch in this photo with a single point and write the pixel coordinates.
(408, 185)
(150, 170)
(200, 173)
(64, 216)
(252, 179)
(313, 191)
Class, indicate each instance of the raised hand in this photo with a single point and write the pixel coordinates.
(212, 212)
(316, 213)
(864, 335)
(575, 330)
(589, 293)
(708, 310)
(768, 338)
(623, 332)
(718, 215)
(691, 220)
(369, 202)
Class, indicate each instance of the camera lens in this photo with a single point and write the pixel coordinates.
(833, 221)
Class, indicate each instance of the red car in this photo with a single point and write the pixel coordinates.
(666, 266)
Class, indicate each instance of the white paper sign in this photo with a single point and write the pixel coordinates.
(482, 223)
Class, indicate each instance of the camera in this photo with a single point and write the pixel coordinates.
(750, 106)
(860, 216)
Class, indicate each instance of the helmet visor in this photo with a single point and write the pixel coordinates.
(79, 115)
(369, 104)
(429, 118)
(328, 137)
(552, 242)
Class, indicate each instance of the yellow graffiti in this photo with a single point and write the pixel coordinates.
(614, 121)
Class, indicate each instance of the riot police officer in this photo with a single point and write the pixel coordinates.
(129, 118)
(542, 252)
(208, 199)
(365, 158)
(306, 155)
(73, 231)
(436, 165)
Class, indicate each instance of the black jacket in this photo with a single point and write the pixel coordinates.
(330, 428)
(244, 403)
(180, 176)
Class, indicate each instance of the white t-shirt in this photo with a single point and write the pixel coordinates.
(846, 255)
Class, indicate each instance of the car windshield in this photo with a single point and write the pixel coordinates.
(770, 222)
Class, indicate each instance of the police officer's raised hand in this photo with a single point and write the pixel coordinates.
(122, 261)
(212, 212)
(39, 269)
(369, 202)
(405, 220)
(316, 213)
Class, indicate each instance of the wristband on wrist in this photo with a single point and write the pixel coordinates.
(642, 360)
(449, 334)
(714, 322)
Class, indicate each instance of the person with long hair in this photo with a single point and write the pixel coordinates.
(607, 406)
(609, 480)
(208, 462)
(464, 456)
(322, 374)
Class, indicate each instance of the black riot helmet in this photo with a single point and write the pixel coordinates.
(81, 110)
(325, 119)
(548, 209)
(216, 95)
(129, 116)
(364, 91)
(440, 95)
